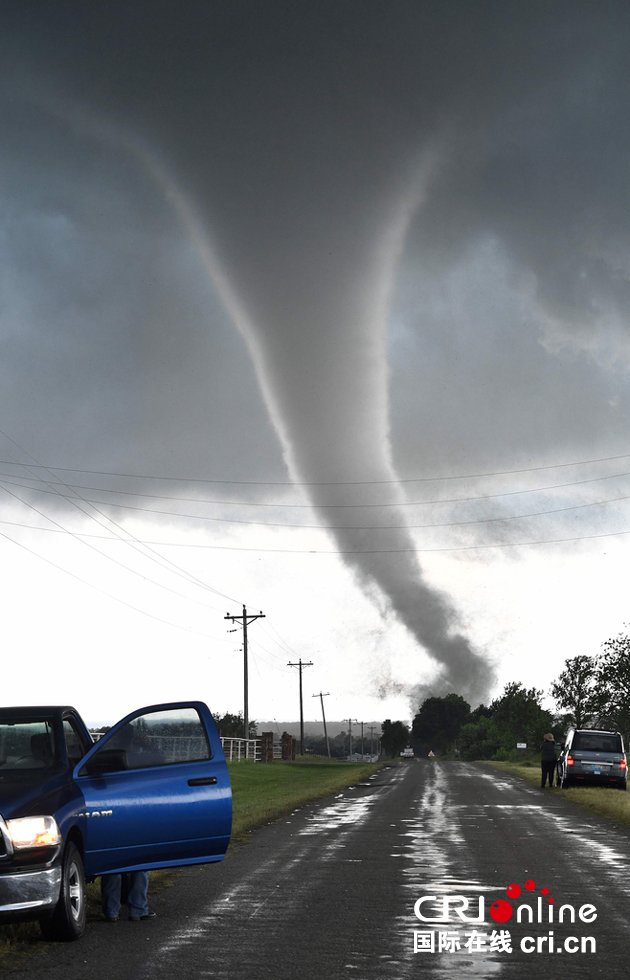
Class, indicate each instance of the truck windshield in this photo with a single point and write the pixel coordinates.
(26, 745)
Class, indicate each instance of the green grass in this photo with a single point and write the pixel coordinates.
(605, 801)
(261, 793)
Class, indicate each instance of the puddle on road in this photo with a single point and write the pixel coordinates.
(344, 811)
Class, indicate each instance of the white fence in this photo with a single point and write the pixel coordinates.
(235, 749)
(238, 749)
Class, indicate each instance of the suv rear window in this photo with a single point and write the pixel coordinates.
(597, 742)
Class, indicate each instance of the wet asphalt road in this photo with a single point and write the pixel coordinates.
(329, 892)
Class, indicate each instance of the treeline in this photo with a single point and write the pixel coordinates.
(448, 726)
(343, 743)
(590, 692)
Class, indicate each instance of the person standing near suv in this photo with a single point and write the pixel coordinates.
(547, 760)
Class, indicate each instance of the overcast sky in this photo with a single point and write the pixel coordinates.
(319, 308)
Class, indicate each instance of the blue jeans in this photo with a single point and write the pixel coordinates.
(137, 900)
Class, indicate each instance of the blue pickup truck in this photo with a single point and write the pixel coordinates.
(153, 792)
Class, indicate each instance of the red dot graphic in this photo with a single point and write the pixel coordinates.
(544, 891)
(500, 910)
(530, 884)
(513, 891)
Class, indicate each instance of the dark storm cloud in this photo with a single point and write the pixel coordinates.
(111, 323)
(342, 161)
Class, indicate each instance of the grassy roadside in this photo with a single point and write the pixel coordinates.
(605, 801)
(261, 793)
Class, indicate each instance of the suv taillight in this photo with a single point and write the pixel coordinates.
(623, 764)
(570, 760)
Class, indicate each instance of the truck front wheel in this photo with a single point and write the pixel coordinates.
(68, 920)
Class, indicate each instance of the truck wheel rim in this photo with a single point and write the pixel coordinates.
(75, 892)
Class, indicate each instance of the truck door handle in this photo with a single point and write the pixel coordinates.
(203, 781)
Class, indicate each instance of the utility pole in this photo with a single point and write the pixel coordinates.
(321, 697)
(301, 665)
(350, 720)
(245, 619)
(362, 752)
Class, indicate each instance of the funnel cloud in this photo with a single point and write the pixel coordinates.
(317, 333)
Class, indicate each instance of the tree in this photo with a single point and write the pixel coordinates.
(576, 690)
(231, 726)
(613, 680)
(519, 716)
(479, 739)
(394, 738)
(438, 723)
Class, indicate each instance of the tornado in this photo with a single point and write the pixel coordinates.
(312, 300)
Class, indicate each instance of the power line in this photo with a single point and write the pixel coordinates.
(327, 483)
(80, 539)
(270, 660)
(104, 592)
(282, 643)
(131, 541)
(337, 551)
(399, 551)
(351, 527)
(189, 578)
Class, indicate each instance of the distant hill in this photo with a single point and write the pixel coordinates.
(315, 728)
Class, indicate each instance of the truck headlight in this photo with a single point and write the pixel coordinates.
(26, 832)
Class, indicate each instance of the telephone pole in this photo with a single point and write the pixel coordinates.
(245, 619)
(301, 665)
(321, 697)
(350, 720)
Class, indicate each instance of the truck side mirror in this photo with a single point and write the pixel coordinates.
(107, 760)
